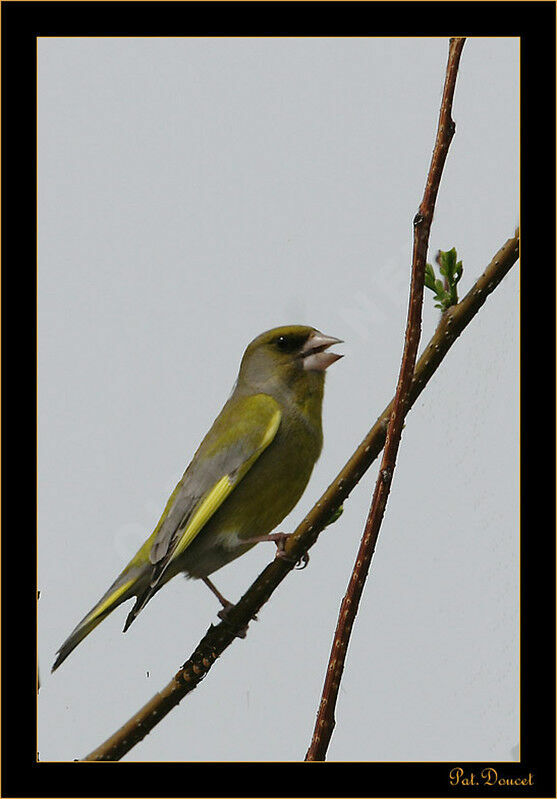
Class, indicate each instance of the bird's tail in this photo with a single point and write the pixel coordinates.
(126, 585)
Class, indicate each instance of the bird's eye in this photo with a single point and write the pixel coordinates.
(287, 343)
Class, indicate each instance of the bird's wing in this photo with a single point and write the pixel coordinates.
(240, 434)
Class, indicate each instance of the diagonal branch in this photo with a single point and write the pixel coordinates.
(219, 637)
(422, 224)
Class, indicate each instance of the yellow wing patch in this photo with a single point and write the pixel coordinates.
(216, 496)
(207, 507)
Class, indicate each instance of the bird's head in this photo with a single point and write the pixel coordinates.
(293, 357)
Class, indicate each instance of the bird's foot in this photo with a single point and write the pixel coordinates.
(212, 587)
(280, 540)
(225, 612)
(226, 607)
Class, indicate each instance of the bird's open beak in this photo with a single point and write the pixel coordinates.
(314, 352)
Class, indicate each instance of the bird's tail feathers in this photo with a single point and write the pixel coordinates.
(128, 584)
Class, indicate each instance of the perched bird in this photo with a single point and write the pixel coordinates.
(248, 473)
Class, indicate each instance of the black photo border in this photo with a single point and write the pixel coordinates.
(22, 23)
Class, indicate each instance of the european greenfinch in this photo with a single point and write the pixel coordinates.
(248, 473)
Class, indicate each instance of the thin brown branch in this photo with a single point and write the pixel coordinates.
(218, 638)
(422, 223)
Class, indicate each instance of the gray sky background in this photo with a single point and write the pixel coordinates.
(193, 193)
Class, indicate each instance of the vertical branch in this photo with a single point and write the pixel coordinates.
(422, 224)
